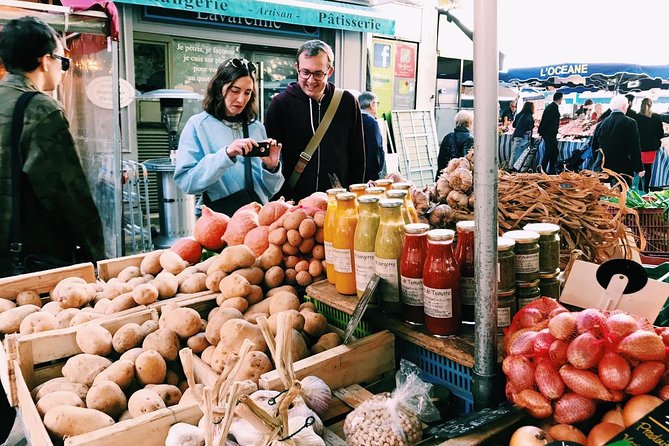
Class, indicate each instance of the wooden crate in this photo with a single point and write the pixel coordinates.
(111, 267)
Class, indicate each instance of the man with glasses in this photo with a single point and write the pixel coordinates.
(374, 153)
(295, 115)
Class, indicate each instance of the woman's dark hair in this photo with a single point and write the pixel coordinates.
(228, 72)
(528, 107)
(23, 41)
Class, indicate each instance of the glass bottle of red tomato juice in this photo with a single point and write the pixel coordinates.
(441, 285)
(411, 271)
(464, 255)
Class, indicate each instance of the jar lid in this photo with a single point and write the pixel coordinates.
(390, 203)
(542, 228)
(532, 284)
(549, 275)
(335, 191)
(505, 243)
(383, 182)
(403, 186)
(346, 196)
(522, 236)
(357, 186)
(440, 235)
(506, 293)
(465, 225)
(416, 228)
(368, 199)
(375, 190)
(401, 194)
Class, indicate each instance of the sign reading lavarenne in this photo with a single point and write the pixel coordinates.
(564, 70)
(322, 14)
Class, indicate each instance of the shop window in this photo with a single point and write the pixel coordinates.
(150, 73)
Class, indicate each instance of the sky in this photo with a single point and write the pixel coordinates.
(544, 32)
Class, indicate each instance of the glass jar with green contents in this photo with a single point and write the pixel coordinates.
(549, 245)
(527, 292)
(364, 240)
(408, 202)
(506, 308)
(506, 263)
(400, 195)
(549, 284)
(526, 251)
(388, 253)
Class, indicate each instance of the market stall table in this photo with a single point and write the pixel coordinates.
(660, 175)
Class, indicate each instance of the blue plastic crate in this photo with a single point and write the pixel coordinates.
(339, 319)
(440, 370)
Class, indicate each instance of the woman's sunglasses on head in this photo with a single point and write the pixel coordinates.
(239, 63)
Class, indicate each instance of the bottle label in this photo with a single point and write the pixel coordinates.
(388, 270)
(342, 260)
(503, 316)
(525, 301)
(412, 291)
(438, 302)
(329, 255)
(467, 291)
(364, 269)
(527, 263)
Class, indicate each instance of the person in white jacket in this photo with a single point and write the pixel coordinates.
(211, 159)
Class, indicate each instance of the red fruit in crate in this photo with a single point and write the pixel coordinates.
(563, 326)
(548, 379)
(645, 377)
(585, 383)
(520, 371)
(643, 346)
(590, 320)
(535, 403)
(188, 249)
(573, 408)
(543, 341)
(523, 344)
(614, 371)
(585, 351)
(529, 317)
(558, 352)
(209, 229)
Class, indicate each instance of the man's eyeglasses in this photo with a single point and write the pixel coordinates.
(239, 63)
(306, 74)
(64, 61)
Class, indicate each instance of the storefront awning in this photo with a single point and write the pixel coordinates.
(317, 13)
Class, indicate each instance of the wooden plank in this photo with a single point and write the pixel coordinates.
(336, 408)
(353, 395)
(44, 281)
(332, 439)
(344, 365)
(203, 373)
(111, 267)
(202, 302)
(35, 431)
(325, 292)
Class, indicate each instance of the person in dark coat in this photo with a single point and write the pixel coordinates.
(457, 143)
(548, 129)
(651, 133)
(523, 126)
(584, 109)
(618, 137)
(295, 114)
(374, 155)
(629, 113)
(509, 114)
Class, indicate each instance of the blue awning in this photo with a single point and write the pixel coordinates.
(317, 13)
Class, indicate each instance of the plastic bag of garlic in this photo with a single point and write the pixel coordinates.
(393, 418)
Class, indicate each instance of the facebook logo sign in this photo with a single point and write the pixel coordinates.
(381, 55)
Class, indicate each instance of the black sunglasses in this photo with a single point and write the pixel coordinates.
(64, 61)
(239, 63)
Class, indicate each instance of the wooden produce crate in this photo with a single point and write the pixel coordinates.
(111, 267)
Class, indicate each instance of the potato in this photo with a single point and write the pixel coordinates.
(107, 397)
(10, 320)
(68, 421)
(125, 416)
(255, 364)
(326, 342)
(298, 346)
(207, 354)
(94, 340)
(318, 252)
(58, 398)
(319, 236)
(238, 303)
(287, 288)
(289, 249)
(294, 219)
(144, 401)
(319, 219)
(298, 320)
(38, 322)
(170, 394)
(128, 336)
(315, 324)
(113, 289)
(121, 303)
(233, 285)
(166, 284)
(315, 268)
(255, 295)
(129, 272)
(253, 318)
(294, 238)
(274, 277)
(273, 256)
(185, 322)
(84, 367)
(101, 305)
(6, 304)
(195, 283)
(233, 333)
(172, 262)
(291, 261)
(151, 263)
(171, 378)
(214, 279)
(121, 372)
(74, 295)
(185, 274)
(149, 327)
(131, 355)
(307, 228)
(136, 281)
(290, 276)
(198, 343)
(145, 294)
(253, 274)
(283, 301)
(307, 245)
(28, 297)
(303, 278)
(150, 368)
(63, 318)
(55, 292)
(203, 266)
(83, 317)
(307, 306)
(302, 265)
(163, 341)
(277, 236)
(212, 332)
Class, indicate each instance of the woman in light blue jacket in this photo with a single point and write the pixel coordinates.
(213, 157)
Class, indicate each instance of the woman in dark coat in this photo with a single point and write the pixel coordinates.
(650, 135)
(457, 143)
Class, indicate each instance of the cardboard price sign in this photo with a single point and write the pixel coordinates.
(653, 429)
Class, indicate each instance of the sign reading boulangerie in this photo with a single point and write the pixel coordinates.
(196, 62)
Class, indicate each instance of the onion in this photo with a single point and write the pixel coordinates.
(529, 317)
(523, 344)
(511, 337)
(543, 341)
(558, 352)
(585, 351)
(639, 406)
(520, 371)
(601, 433)
(590, 320)
(535, 403)
(562, 326)
(253, 206)
(529, 436)
(643, 346)
(566, 432)
(209, 229)
(572, 408)
(621, 324)
(614, 371)
(585, 383)
(663, 393)
(316, 200)
(548, 379)
(645, 377)
(614, 416)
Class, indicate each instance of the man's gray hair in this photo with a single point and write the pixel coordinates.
(464, 118)
(313, 47)
(366, 99)
(619, 103)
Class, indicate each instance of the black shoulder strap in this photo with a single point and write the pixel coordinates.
(16, 246)
(248, 163)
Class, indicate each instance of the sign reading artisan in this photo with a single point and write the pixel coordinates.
(322, 14)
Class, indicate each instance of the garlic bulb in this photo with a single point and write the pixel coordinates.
(262, 398)
(305, 437)
(183, 434)
(244, 432)
(300, 409)
(316, 394)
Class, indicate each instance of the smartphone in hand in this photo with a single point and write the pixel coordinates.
(261, 150)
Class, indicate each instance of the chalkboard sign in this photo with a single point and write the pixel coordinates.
(461, 426)
(361, 307)
(653, 428)
(194, 62)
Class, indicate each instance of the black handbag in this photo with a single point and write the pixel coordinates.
(230, 204)
(22, 263)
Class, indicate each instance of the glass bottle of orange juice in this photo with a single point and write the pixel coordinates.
(408, 202)
(343, 243)
(358, 188)
(328, 232)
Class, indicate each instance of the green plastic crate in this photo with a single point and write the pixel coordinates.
(339, 319)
